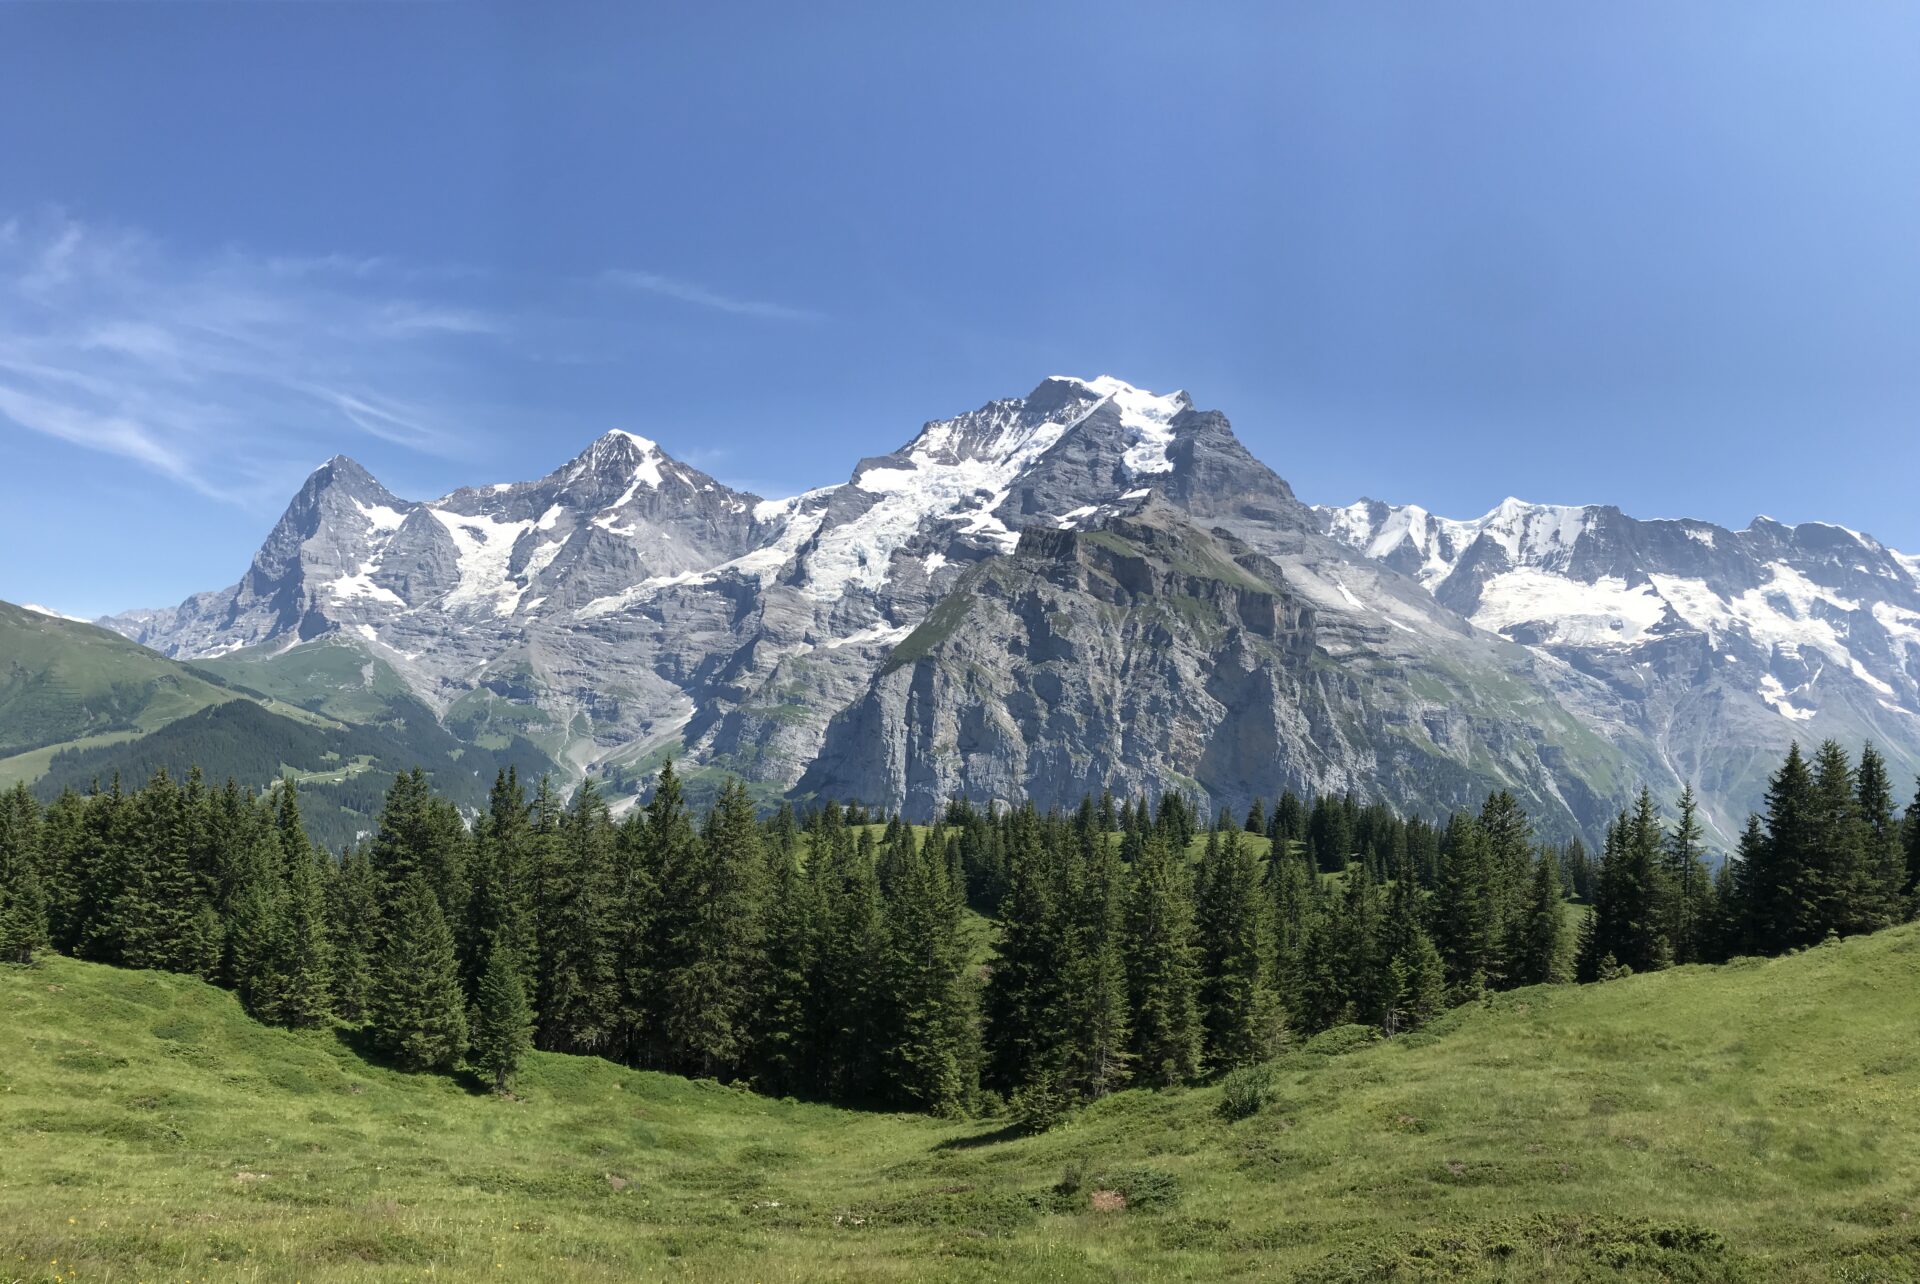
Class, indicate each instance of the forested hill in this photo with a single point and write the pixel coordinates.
(343, 770)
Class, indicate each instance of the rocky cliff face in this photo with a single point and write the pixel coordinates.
(1136, 651)
(1136, 655)
(1088, 586)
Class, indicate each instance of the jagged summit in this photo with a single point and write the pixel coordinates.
(626, 605)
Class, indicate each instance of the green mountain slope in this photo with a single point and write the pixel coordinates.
(329, 675)
(1751, 1123)
(343, 769)
(64, 683)
(78, 704)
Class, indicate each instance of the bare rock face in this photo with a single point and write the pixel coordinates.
(1143, 654)
(1092, 586)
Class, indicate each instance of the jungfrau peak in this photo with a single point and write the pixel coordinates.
(1092, 585)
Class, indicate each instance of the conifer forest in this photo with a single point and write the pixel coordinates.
(998, 959)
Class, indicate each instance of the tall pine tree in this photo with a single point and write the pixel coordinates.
(1162, 975)
(418, 1013)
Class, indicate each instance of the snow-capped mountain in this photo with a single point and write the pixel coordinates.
(1716, 642)
(946, 618)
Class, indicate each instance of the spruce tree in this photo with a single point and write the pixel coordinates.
(1162, 977)
(1095, 994)
(1781, 889)
(1360, 939)
(1912, 828)
(710, 927)
(1543, 937)
(1752, 864)
(419, 833)
(503, 1020)
(352, 910)
(1288, 824)
(159, 911)
(257, 957)
(23, 904)
(1465, 924)
(579, 998)
(1880, 899)
(63, 842)
(1290, 887)
(1026, 1023)
(1240, 1008)
(850, 1009)
(930, 1061)
(1318, 994)
(418, 1013)
(1509, 841)
(306, 953)
(1684, 888)
(1416, 976)
(784, 1058)
(1329, 834)
(1837, 870)
(1627, 923)
(1419, 986)
(500, 910)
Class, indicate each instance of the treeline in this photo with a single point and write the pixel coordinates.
(833, 955)
(1829, 857)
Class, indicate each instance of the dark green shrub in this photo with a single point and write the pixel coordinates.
(1244, 1092)
(1342, 1039)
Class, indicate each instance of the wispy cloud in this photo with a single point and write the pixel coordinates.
(220, 372)
(701, 296)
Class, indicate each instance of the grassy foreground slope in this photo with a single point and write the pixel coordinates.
(1760, 1121)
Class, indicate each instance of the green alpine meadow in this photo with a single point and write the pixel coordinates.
(1036, 643)
(1752, 1121)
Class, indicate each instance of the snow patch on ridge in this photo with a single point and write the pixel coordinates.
(1777, 695)
(942, 476)
(1567, 612)
(485, 548)
(381, 517)
(51, 613)
(882, 633)
(360, 584)
(646, 472)
(763, 564)
(1145, 414)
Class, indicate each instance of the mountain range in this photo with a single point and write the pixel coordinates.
(1092, 586)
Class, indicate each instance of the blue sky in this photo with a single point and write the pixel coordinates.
(1659, 255)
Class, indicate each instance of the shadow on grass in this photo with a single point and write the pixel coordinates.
(359, 1042)
(1005, 1132)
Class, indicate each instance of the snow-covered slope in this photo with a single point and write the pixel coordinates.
(1753, 636)
(627, 605)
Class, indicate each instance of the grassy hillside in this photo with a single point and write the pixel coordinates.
(1755, 1122)
(63, 682)
(79, 703)
(328, 675)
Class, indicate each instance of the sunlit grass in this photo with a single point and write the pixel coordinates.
(1755, 1122)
